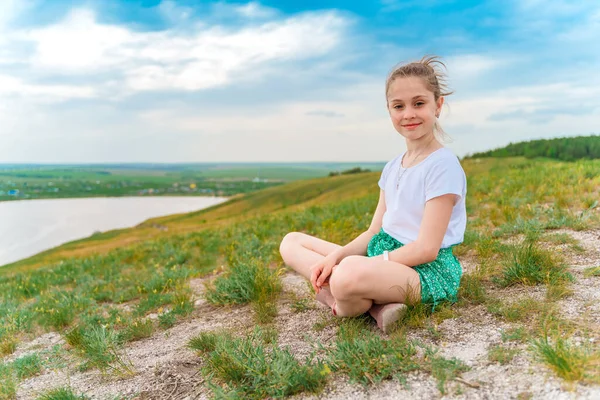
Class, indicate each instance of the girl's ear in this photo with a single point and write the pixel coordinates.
(439, 104)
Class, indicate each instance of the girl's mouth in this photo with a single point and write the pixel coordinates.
(411, 126)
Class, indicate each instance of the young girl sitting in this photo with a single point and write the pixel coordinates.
(406, 254)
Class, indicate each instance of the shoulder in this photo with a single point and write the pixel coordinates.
(445, 164)
(444, 158)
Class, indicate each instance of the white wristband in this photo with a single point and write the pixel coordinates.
(386, 255)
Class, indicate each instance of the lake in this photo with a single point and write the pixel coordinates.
(28, 227)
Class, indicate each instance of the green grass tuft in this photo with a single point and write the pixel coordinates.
(248, 368)
(63, 393)
(443, 369)
(501, 354)
(517, 334)
(367, 358)
(136, 330)
(570, 362)
(531, 265)
(8, 382)
(8, 345)
(472, 289)
(243, 283)
(27, 366)
(100, 348)
(204, 343)
(592, 271)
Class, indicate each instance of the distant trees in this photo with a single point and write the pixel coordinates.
(566, 149)
(356, 170)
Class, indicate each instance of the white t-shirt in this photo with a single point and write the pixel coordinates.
(438, 174)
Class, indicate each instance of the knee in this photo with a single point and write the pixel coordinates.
(288, 243)
(347, 279)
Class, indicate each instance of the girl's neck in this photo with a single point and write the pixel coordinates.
(423, 146)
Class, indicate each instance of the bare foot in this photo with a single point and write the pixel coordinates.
(387, 314)
(325, 297)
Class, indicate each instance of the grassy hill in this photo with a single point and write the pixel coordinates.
(108, 293)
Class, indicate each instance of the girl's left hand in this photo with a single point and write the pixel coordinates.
(321, 271)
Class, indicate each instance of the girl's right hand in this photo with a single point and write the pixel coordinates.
(321, 271)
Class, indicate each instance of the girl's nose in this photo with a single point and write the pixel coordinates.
(410, 113)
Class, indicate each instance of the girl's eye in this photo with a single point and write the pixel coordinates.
(419, 103)
(398, 106)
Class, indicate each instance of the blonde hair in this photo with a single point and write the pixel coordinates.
(431, 70)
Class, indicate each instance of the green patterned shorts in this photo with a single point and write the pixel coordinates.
(439, 279)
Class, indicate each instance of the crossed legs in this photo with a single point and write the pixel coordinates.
(357, 282)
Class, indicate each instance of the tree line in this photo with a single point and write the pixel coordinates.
(565, 149)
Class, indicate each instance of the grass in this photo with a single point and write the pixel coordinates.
(62, 393)
(472, 289)
(528, 264)
(248, 280)
(249, 368)
(443, 369)
(100, 348)
(136, 329)
(367, 358)
(518, 334)
(8, 382)
(27, 366)
(570, 362)
(8, 344)
(301, 305)
(98, 302)
(591, 271)
(521, 310)
(501, 354)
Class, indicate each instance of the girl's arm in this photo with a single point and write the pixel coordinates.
(434, 224)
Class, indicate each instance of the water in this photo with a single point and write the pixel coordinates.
(31, 226)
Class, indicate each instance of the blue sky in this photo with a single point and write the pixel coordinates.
(202, 81)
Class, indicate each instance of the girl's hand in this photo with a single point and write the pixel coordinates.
(321, 271)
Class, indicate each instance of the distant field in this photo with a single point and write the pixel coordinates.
(19, 182)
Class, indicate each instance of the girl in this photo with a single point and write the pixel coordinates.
(406, 254)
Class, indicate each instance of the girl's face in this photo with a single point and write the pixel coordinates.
(412, 107)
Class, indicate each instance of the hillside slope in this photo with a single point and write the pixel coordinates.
(207, 309)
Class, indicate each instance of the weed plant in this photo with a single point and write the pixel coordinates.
(167, 319)
(27, 366)
(62, 393)
(135, 330)
(367, 358)
(528, 264)
(100, 348)
(591, 271)
(570, 362)
(8, 344)
(247, 368)
(518, 334)
(442, 369)
(501, 354)
(8, 382)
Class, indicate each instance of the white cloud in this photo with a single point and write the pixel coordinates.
(255, 10)
(170, 60)
(13, 86)
(174, 12)
(213, 57)
(10, 10)
(79, 44)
